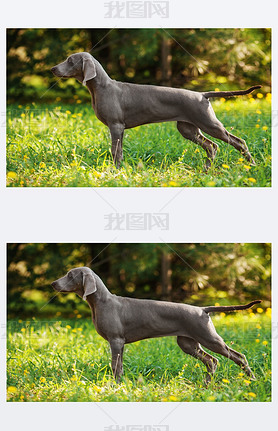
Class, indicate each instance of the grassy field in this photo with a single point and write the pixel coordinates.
(69, 361)
(66, 145)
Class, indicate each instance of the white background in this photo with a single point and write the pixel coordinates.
(77, 215)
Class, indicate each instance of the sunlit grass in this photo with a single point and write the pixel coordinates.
(66, 145)
(69, 361)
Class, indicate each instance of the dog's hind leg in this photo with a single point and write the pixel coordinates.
(189, 131)
(191, 347)
(217, 345)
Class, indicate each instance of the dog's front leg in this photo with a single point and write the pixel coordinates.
(117, 133)
(117, 349)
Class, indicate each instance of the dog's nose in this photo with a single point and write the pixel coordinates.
(53, 69)
(53, 284)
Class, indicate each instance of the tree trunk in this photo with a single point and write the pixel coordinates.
(166, 273)
(166, 60)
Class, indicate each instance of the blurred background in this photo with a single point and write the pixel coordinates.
(199, 59)
(198, 274)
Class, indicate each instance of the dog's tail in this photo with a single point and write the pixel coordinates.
(230, 308)
(230, 93)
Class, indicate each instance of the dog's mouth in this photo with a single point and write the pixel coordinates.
(55, 287)
(56, 72)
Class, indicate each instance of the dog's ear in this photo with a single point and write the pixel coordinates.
(89, 69)
(89, 285)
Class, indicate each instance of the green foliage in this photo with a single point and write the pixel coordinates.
(69, 361)
(195, 58)
(54, 146)
(201, 274)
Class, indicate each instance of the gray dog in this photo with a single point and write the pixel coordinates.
(125, 320)
(120, 106)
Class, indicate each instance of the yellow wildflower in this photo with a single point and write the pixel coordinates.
(68, 326)
(68, 112)
(211, 398)
(252, 180)
(12, 389)
(96, 388)
(42, 165)
(268, 97)
(257, 340)
(172, 183)
(251, 394)
(265, 343)
(258, 112)
(247, 382)
(260, 95)
(260, 310)
(42, 379)
(264, 127)
(11, 174)
(211, 184)
(225, 166)
(257, 125)
(73, 378)
(225, 381)
(172, 398)
(247, 167)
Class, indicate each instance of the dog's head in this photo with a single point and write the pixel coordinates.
(79, 280)
(80, 66)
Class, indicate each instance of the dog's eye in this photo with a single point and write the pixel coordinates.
(69, 274)
(70, 61)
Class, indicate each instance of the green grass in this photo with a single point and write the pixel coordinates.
(66, 145)
(69, 361)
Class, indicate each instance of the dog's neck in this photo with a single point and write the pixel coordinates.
(102, 79)
(97, 300)
(102, 294)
